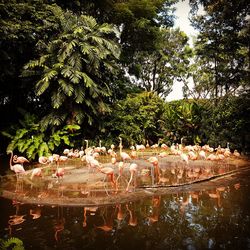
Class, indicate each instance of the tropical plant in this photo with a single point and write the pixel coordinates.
(136, 118)
(31, 139)
(228, 122)
(183, 119)
(11, 243)
(72, 69)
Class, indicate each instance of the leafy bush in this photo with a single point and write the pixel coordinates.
(31, 139)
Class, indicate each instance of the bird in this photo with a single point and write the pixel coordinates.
(20, 159)
(36, 172)
(132, 169)
(184, 158)
(43, 160)
(156, 170)
(123, 155)
(236, 153)
(17, 168)
(202, 155)
(108, 171)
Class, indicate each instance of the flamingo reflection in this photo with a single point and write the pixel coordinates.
(132, 217)
(108, 220)
(59, 223)
(36, 212)
(92, 211)
(156, 201)
(15, 219)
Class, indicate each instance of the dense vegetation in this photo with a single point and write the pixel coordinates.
(75, 70)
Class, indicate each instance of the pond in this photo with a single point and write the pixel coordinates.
(210, 214)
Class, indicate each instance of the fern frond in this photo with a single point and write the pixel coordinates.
(79, 95)
(66, 87)
(42, 86)
(87, 80)
(57, 99)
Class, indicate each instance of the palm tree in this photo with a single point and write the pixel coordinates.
(72, 69)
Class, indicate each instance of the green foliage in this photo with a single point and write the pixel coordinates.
(158, 69)
(221, 47)
(183, 119)
(11, 243)
(72, 68)
(229, 122)
(31, 139)
(136, 118)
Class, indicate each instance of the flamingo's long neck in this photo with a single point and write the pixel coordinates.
(120, 146)
(11, 157)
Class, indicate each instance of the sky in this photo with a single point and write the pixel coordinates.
(182, 10)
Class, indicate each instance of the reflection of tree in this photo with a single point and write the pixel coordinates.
(201, 224)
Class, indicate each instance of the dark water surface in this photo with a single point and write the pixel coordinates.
(212, 215)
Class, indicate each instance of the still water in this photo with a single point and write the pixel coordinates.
(210, 215)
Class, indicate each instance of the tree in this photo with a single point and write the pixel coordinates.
(24, 27)
(158, 69)
(136, 118)
(72, 69)
(223, 44)
(183, 119)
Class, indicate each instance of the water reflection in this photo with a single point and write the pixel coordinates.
(214, 217)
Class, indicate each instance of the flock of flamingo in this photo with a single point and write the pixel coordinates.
(90, 156)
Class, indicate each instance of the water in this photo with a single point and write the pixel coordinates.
(212, 215)
(84, 211)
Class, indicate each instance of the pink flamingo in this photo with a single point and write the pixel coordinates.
(36, 172)
(19, 159)
(108, 171)
(132, 169)
(156, 169)
(184, 157)
(43, 160)
(60, 172)
(17, 168)
(123, 155)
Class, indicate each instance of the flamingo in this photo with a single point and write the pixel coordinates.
(184, 158)
(123, 155)
(133, 153)
(156, 169)
(62, 158)
(19, 159)
(60, 172)
(236, 153)
(202, 154)
(43, 160)
(132, 169)
(17, 168)
(108, 171)
(36, 172)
